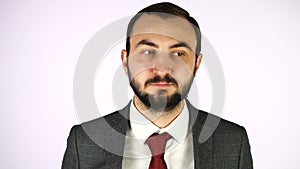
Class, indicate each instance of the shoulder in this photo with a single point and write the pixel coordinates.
(95, 133)
(228, 141)
(101, 123)
(92, 143)
(209, 125)
(220, 124)
(112, 125)
(228, 126)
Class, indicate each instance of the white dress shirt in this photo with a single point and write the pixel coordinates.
(179, 151)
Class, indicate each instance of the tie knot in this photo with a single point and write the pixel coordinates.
(157, 143)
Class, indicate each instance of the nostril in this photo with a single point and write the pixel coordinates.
(161, 70)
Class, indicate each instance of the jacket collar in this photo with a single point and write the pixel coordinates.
(198, 124)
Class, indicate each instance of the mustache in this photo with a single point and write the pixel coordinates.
(166, 79)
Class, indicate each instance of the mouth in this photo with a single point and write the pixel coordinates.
(161, 84)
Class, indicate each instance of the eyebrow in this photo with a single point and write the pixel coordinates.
(147, 43)
(181, 44)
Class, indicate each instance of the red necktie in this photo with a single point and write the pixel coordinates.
(157, 144)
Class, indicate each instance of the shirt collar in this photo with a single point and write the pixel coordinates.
(142, 128)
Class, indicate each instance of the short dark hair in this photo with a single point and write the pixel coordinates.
(170, 9)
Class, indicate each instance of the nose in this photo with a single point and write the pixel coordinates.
(160, 72)
(162, 64)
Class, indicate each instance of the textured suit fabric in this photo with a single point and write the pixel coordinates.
(100, 143)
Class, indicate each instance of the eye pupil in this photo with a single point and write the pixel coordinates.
(149, 52)
(179, 53)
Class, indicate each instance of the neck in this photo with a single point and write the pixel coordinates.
(160, 119)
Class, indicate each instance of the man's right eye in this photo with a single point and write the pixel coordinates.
(149, 52)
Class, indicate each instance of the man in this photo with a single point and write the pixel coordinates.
(159, 128)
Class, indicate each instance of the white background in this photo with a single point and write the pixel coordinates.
(257, 42)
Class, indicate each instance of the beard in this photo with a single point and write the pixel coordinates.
(160, 101)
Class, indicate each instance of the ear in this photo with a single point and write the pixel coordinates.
(198, 61)
(124, 60)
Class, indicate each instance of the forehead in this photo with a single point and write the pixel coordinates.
(173, 27)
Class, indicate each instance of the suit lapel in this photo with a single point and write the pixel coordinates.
(202, 150)
(119, 123)
(202, 153)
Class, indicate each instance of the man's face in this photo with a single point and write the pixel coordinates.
(162, 62)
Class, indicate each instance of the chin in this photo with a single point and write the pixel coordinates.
(161, 102)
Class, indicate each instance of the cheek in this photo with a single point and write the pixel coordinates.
(183, 74)
(184, 70)
(137, 68)
(140, 78)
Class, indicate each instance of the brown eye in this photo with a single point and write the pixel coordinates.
(178, 54)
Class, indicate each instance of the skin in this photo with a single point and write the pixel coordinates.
(161, 47)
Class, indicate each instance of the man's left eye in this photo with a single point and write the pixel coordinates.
(179, 54)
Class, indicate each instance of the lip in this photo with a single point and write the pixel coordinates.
(163, 85)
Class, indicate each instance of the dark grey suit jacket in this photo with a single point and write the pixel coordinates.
(100, 143)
